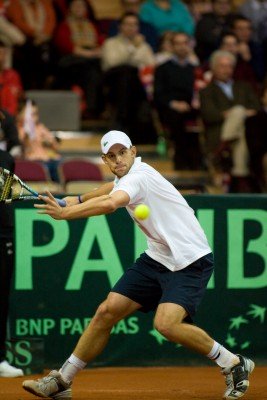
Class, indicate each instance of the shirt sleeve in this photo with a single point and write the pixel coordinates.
(134, 185)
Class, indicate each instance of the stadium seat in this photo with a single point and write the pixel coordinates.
(36, 175)
(78, 174)
(34, 171)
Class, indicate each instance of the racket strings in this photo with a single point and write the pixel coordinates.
(7, 186)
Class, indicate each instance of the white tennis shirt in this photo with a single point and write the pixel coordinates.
(174, 235)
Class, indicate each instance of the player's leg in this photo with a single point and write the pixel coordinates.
(182, 293)
(93, 340)
(96, 335)
(169, 321)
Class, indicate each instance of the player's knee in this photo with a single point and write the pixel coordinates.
(167, 325)
(106, 315)
(164, 327)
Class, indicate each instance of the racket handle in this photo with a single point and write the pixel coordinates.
(61, 202)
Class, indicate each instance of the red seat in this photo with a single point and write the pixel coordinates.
(79, 170)
(34, 171)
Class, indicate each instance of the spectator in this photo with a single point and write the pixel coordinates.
(225, 104)
(10, 84)
(243, 70)
(173, 95)
(34, 60)
(146, 29)
(256, 12)
(256, 136)
(78, 43)
(38, 142)
(167, 15)
(61, 9)
(10, 35)
(165, 49)
(123, 57)
(9, 138)
(211, 27)
(6, 271)
(198, 8)
(242, 28)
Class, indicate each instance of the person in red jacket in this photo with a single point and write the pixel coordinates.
(11, 90)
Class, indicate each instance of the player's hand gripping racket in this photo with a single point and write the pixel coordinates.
(12, 188)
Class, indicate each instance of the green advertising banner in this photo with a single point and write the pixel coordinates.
(64, 269)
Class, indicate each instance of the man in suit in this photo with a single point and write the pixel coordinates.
(6, 271)
(225, 104)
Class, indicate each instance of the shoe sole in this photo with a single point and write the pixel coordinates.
(66, 395)
(11, 376)
(241, 394)
(31, 390)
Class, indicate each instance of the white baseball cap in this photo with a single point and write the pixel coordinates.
(114, 137)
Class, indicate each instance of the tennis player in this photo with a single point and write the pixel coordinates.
(170, 277)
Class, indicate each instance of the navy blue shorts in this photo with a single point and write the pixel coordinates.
(149, 283)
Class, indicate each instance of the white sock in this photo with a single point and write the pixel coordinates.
(71, 367)
(223, 357)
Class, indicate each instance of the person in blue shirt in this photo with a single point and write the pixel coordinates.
(168, 15)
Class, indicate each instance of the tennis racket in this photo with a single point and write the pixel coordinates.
(12, 188)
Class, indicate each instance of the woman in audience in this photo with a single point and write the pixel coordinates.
(39, 144)
(78, 44)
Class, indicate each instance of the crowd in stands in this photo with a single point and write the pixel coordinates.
(194, 63)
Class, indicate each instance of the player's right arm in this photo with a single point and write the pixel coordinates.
(100, 191)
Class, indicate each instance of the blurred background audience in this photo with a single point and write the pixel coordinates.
(150, 68)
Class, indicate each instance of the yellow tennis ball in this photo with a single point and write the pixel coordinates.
(142, 211)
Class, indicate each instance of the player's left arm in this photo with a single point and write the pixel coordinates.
(105, 204)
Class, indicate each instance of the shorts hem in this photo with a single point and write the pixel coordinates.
(190, 314)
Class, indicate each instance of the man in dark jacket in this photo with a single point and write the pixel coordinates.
(173, 94)
(212, 26)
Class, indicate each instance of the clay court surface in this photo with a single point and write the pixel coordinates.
(159, 383)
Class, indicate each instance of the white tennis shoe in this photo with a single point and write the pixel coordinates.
(8, 371)
(237, 378)
(51, 386)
